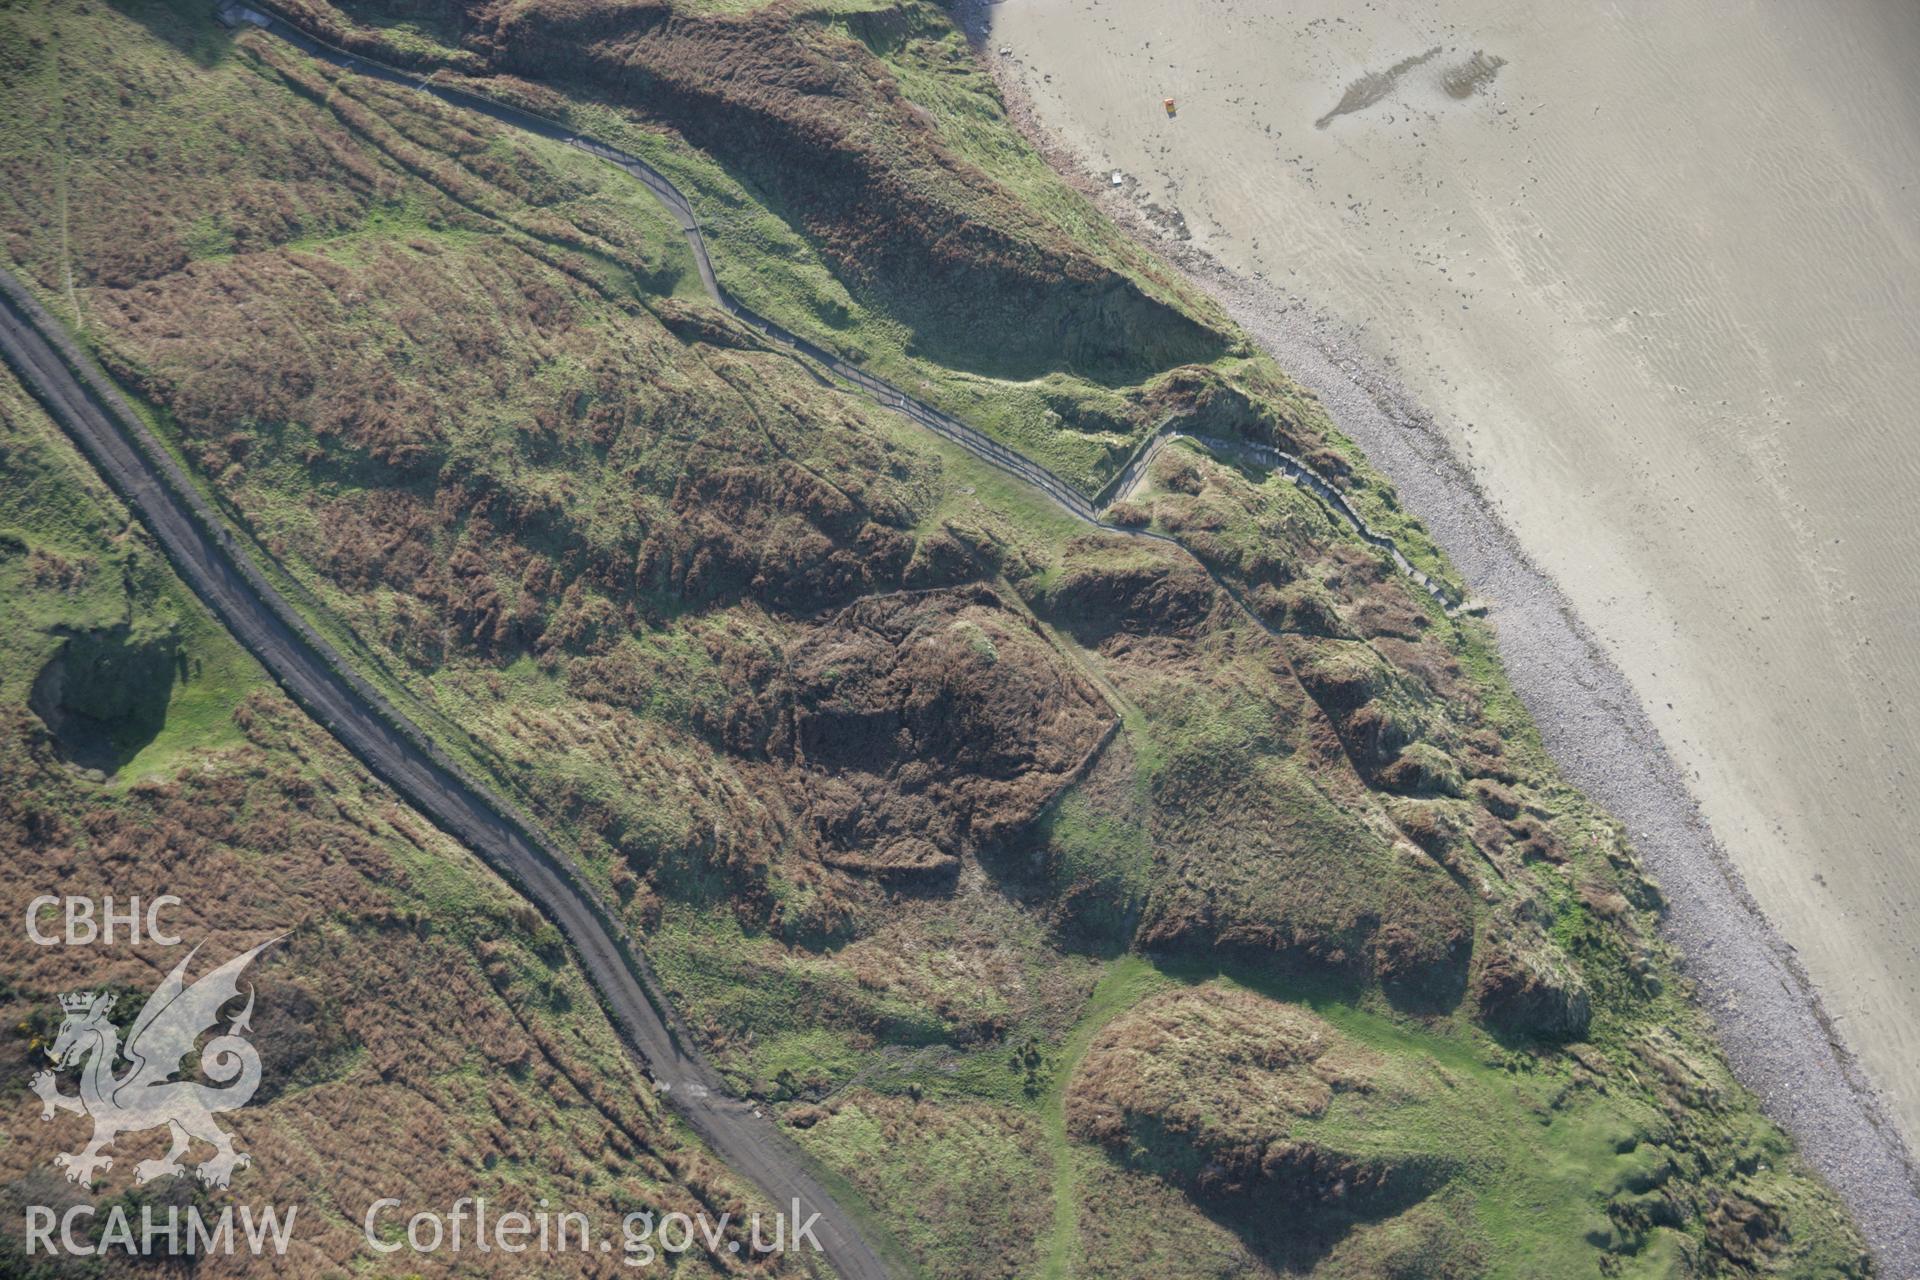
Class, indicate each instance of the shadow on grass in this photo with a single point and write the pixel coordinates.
(104, 695)
(1291, 1227)
(188, 26)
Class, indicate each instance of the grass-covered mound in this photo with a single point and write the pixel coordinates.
(1206, 1087)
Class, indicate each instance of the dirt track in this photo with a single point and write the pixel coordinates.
(314, 675)
(974, 441)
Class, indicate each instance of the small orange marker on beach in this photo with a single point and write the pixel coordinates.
(1168, 104)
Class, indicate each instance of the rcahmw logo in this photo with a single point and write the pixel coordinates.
(158, 1235)
(144, 1095)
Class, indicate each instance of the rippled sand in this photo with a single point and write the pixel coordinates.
(1657, 274)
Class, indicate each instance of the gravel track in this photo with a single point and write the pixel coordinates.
(195, 541)
(1768, 1014)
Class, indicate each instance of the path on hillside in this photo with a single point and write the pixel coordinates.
(982, 446)
(315, 675)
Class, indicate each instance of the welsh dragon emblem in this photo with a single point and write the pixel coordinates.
(145, 1095)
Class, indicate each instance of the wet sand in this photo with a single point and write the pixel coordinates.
(1653, 280)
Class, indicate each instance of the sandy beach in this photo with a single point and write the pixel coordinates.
(1627, 301)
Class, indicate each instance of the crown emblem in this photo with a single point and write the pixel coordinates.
(87, 1002)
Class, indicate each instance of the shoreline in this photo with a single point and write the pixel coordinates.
(1767, 1012)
